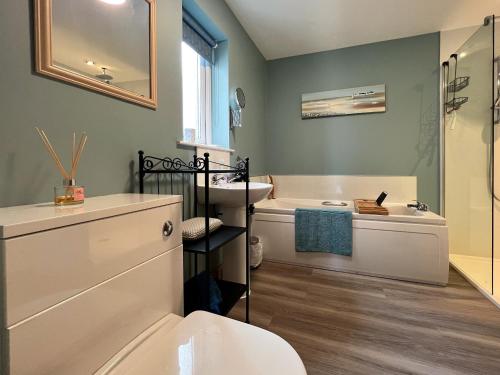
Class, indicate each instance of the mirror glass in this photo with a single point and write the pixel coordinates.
(240, 97)
(104, 40)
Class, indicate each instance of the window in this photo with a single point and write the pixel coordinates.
(196, 96)
(197, 62)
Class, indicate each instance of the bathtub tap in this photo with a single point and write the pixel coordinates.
(419, 206)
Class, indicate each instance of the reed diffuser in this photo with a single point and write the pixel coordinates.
(69, 193)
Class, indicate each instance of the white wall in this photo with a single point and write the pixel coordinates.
(401, 189)
(452, 40)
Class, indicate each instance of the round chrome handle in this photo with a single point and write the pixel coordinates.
(168, 228)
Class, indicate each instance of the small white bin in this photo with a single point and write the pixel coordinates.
(256, 252)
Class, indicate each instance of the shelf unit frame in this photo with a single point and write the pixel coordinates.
(156, 166)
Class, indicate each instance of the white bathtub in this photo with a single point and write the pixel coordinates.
(406, 245)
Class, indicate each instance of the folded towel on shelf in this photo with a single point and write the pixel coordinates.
(328, 231)
(194, 229)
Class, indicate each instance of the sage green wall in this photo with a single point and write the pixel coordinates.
(402, 141)
(247, 69)
(116, 129)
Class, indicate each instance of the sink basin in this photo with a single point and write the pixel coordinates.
(233, 194)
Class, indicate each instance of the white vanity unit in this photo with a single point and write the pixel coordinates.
(79, 283)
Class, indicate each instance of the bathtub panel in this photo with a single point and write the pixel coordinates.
(395, 250)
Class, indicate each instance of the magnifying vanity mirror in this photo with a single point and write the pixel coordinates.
(103, 45)
(239, 98)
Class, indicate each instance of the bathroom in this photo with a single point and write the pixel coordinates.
(108, 279)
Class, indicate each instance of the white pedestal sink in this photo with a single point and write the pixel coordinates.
(229, 199)
(233, 194)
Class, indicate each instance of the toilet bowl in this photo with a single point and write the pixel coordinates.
(204, 343)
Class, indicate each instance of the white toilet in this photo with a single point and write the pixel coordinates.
(99, 289)
(204, 343)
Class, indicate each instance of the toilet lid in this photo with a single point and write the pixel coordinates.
(206, 344)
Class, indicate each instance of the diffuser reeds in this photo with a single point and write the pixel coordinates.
(75, 157)
(72, 193)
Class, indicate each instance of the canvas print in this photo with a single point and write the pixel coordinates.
(368, 99)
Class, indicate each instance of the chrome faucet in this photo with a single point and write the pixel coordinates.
(237, 177)
(419, 206)
(217, 179)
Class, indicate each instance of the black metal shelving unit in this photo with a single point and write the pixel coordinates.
(219, 238)
(202, 291)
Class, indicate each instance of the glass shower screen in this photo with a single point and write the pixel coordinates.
(468, 167)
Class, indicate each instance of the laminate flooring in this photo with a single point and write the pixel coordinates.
(342, 323)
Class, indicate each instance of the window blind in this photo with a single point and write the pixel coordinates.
(197, 37)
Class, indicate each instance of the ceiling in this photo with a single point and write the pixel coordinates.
(282, 28)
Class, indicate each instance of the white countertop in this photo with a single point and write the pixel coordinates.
(21, 220)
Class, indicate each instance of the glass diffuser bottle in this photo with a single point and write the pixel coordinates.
(69, 193)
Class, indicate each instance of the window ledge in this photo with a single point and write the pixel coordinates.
(185, 144)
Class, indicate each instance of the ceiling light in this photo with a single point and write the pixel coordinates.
(113, 2)
(90, 62)
(104, 76)
(463, 54)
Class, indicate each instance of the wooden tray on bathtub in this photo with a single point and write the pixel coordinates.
(370, 207)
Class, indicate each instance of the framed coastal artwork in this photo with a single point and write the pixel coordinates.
(357, 100)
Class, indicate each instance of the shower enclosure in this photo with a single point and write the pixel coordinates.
(472, 210)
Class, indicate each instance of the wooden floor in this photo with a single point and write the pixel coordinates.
(349, 324)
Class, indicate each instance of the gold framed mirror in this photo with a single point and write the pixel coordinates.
(104, 45)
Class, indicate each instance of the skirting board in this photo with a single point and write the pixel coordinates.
(353, 272)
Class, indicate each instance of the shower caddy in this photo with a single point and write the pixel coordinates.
(174, 173)
(455, 85)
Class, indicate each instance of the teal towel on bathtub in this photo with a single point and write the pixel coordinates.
(328, 231)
